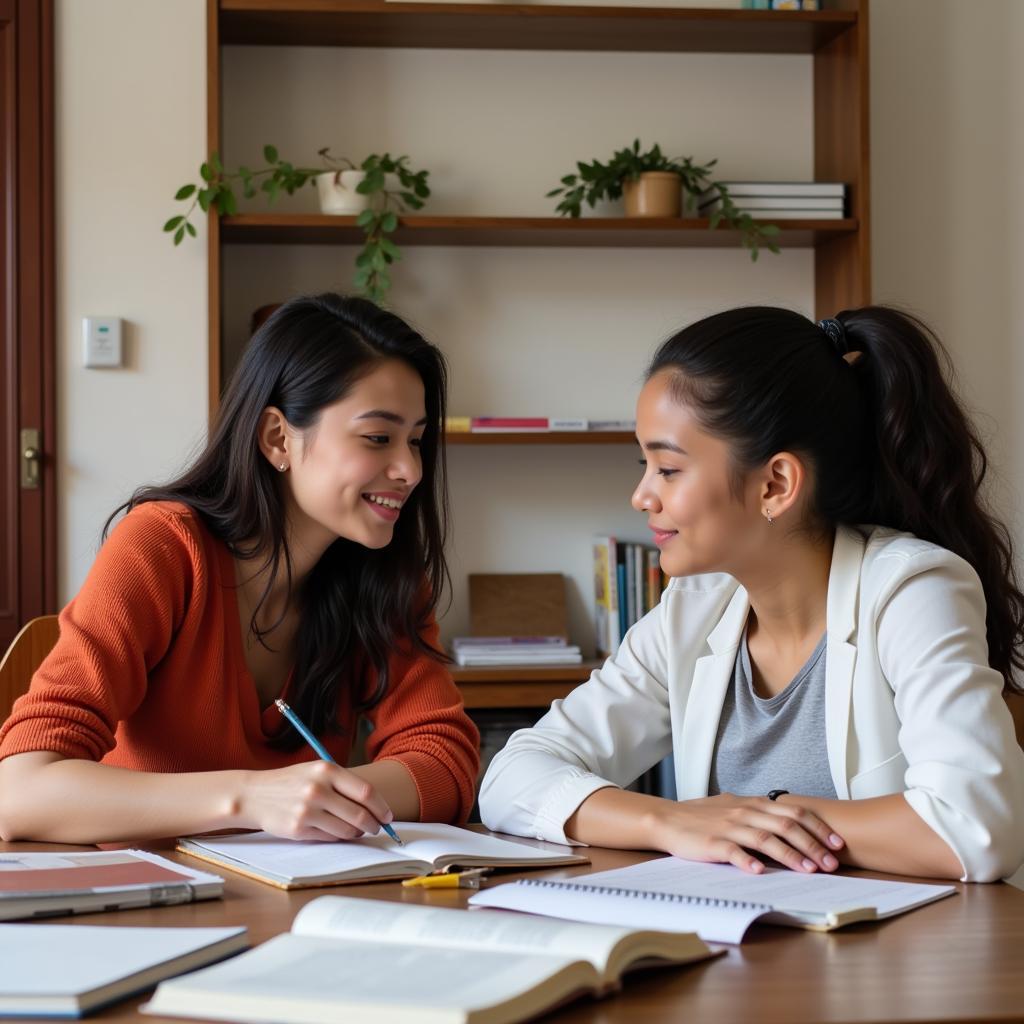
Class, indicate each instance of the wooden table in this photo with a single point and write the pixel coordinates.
(961, 959)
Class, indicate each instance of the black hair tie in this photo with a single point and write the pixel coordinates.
(836, 333)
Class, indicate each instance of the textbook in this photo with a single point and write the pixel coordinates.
(427, 847)
(79, 882)
(718, 901)
(60, 970)
(358, 960)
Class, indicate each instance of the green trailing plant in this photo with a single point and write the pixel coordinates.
(216, 190)
(597, 180)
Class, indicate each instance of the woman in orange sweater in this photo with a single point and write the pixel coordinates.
(300, 556)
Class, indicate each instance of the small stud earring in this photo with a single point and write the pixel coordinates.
(283, 466)
(768, 516)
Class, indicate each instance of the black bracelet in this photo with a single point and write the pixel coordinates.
(774, 794)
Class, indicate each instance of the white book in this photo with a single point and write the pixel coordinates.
(468, 660)
(778, 188)
(426, 847)
(513, 650)
(58, 970)
(718, 901)
(777, 203)
(370, 960)
(790, 214)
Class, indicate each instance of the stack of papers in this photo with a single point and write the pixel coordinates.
(514, 650)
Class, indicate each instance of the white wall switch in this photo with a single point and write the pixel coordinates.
(101, 337)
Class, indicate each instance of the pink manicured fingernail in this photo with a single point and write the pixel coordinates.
(830, 861)
(809, 865)
(835, 841)
(756, 866)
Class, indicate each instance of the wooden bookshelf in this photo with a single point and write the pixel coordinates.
(537, 232)
(519, 686)
(528, 27)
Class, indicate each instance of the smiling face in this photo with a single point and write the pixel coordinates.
(698, 522)
(350, 474)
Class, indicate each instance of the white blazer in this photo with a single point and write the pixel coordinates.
(911, 703)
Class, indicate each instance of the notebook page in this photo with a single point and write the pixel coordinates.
(294, 978)
(788, 891)
(712, 920)
(431, 841)
(352, 918)
(289, 858)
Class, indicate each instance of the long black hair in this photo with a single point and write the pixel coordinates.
(357, 605)
(888, 441)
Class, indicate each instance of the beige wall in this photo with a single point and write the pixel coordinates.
(947, 148)
(131, 126)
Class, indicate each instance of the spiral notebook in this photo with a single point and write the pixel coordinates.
(717, 901)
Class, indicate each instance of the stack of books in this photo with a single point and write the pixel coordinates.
(530, 424)
(780, 200)
(628, 583)
(514, 650)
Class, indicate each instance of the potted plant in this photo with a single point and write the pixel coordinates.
(652, 185)
(378, 190)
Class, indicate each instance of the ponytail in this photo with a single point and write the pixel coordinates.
(929, 464)
(889, 442)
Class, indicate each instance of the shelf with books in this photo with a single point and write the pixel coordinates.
(538, 232)
(527, 26)
(519, 686)
(542, 437)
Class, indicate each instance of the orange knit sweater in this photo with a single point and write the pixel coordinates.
(149, 673)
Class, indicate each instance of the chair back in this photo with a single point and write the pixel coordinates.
(23, 657)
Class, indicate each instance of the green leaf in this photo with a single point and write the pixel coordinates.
(190, 229)
(184, 192)
(421, 190)
(769, 229)
(388, 222)
(363, 259)
(270, 154)
(204, 172)
(173, 223)
(365, 219)
(204, 198)
(179, 235)
(390, 249)
(226, 201)
(215, 161)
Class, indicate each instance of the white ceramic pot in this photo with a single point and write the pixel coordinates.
(337, 191)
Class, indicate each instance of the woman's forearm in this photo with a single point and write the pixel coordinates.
(52, 799)
(394, 783)
(884, 833)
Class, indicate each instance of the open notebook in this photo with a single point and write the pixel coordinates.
(718, 901)
(427, 847)
(353, 959)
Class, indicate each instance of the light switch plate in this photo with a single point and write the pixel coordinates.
(101, 337)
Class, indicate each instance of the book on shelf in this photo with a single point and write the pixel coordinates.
(628, 583)
(614, 425)
(568, 424)
(55, 970)
(468, 659)
(506, 642)
(718, 901)
(771, 203)
(522, 650)
(80, 882)
(458, 424)
(356, 959)
(427, 847)
(606, 595)
(790, 214)
(508, 424)
(739, 189)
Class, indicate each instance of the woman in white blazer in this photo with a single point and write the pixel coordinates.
(859, 668)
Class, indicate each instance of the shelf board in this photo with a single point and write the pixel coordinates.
(527, 27)
(519, 686)
(542, 437)
(541, 232)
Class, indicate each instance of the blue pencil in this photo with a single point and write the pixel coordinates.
(322, 752)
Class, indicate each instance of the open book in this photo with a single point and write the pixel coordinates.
(80, 881)
(718, 901)
(348, 959)
(57, 970)
(427, 847)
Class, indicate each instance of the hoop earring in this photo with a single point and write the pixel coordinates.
(768, 516)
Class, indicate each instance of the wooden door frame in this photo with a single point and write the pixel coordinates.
(27, 169)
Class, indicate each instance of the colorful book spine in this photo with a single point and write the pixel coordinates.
(512, 424)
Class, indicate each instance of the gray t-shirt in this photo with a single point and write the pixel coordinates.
(778, 742)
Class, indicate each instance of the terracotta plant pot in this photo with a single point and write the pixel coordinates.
(653, 194)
